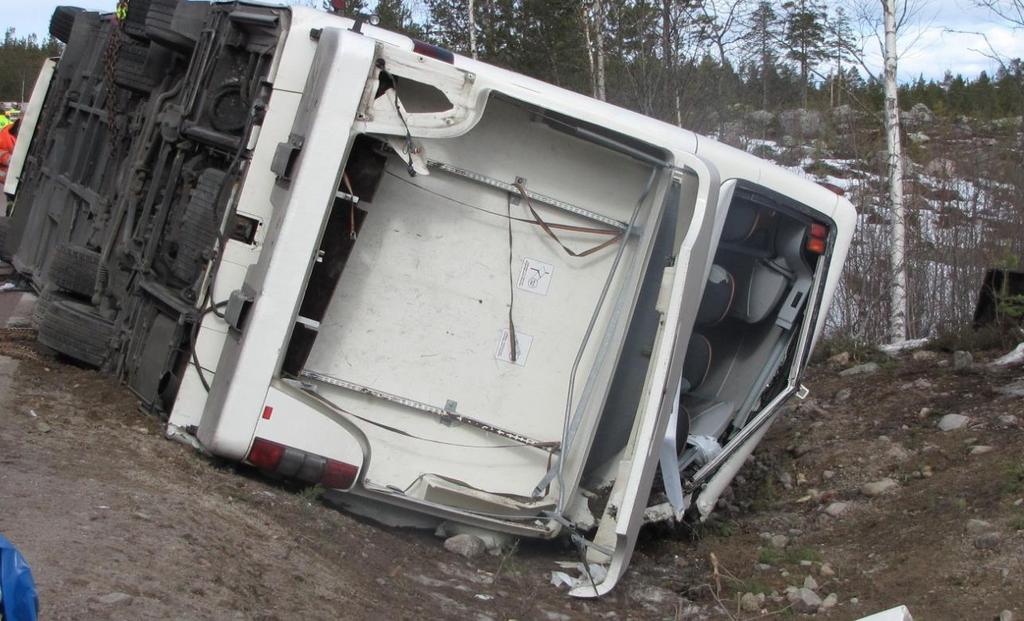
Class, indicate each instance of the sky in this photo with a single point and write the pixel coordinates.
(937, 46)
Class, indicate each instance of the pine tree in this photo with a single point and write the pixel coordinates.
(395, 15)
(805, 38)
(840, 43)
(763, 32)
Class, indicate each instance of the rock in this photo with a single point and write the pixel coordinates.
(898, 453)
(978, 527)
(827, 475)
(919, 138)
(826, 571)
(861, 369)
(804, 600)
(1013, 389)
(981, 449)
(810, 583)
(854, 601)
(952, 422)
(918, 117)
(830, 601)
(786, 479)
(800, 449)
(800, 123)
(1008, 420)
(469, 546)
(924, 355)
(115, 598)
(924, 412)
(650, 594)
(988, 541)
(877, 488)
(841, 359)
(940, 167)
(837, 509)
(1005, 615)
(43, 427)
(750, 603)
(962, 360)
(779, 541)
(843, 395)
(926, 472)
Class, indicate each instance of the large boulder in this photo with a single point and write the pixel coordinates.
(801, 123)
(918, 117)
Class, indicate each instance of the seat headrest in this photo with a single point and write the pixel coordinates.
(719, 293)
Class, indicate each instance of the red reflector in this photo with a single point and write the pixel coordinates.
(265, 454)
(815, 245)
(338, 475)
(819, 231)
(835, 189)
(433, 51)
(267, 412)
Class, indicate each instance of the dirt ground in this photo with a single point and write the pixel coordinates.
(119, 523)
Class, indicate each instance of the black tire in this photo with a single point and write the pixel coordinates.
(62, 21)
(43, 302)
(5, 227)
(200, 225)
(130, 70)
(160, 29)
(135, 21)
(74, 269)
(73, 329)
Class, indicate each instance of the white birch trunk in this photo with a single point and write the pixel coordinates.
(587, 11)
(472, 28)
(898, 295)
(599, 35)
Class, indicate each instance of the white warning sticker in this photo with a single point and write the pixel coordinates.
(535, 276)
(523, 343)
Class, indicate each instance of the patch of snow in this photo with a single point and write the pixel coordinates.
(1014, 357)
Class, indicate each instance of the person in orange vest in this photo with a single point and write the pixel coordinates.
(8, 136)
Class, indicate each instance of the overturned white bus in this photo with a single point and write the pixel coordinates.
(445, 291)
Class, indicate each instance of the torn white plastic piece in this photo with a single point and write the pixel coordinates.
(706, 447)
(597, 574)
(899, 613)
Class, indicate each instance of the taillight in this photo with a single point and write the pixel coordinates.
(433, 51)
(265, 454)
(817, 234)
(338, 475)
(833, 188)
(297, 464)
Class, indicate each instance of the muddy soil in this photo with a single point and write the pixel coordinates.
(119, 523)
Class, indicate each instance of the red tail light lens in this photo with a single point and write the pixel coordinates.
(433, 51)
(833, 188)
(265, 454)
(818, 231)
(292, 463)
(816, 246)
(338, 475)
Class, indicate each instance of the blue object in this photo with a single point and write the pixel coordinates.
(17, 589)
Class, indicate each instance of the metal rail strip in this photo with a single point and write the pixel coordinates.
(447, 414)
(540, 198)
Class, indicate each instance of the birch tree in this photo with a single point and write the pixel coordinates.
(471, 17)
(898, 294)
